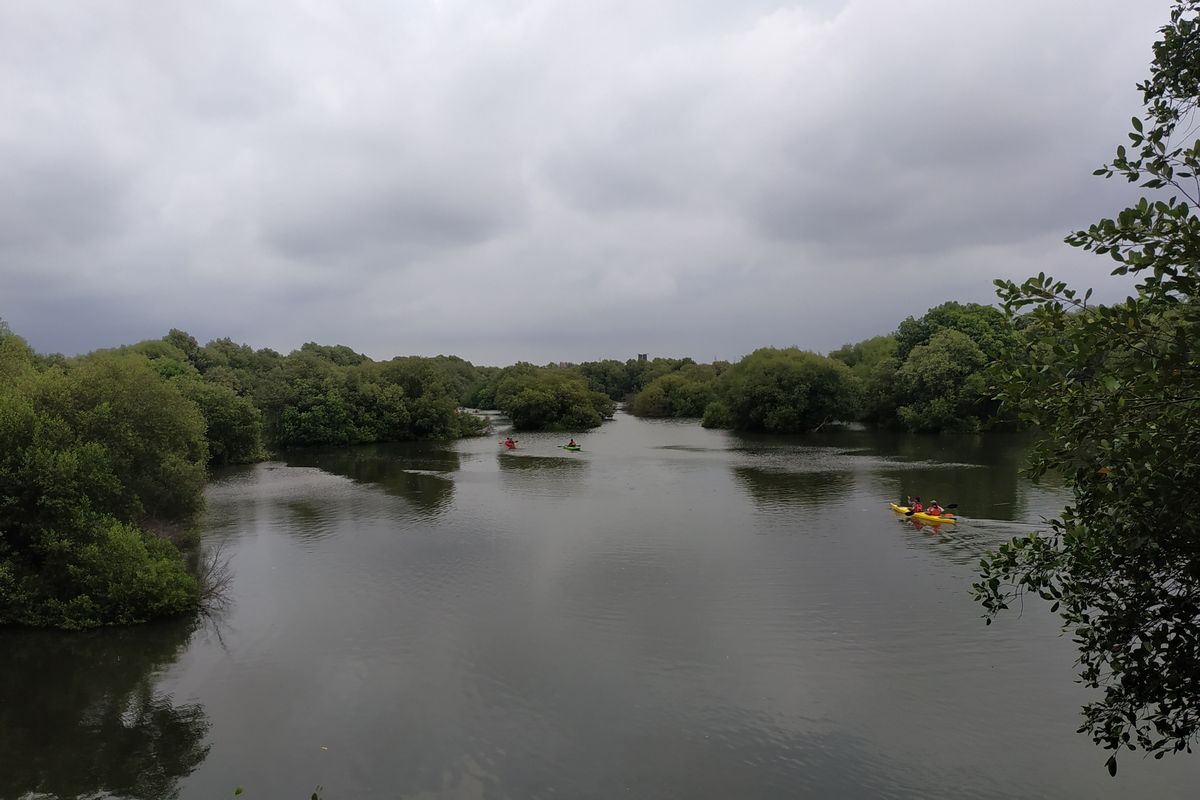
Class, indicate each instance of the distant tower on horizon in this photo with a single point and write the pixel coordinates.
(643, 356)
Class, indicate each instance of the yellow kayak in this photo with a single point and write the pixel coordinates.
(948, 519)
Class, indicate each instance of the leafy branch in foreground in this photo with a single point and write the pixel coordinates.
(1115, 390)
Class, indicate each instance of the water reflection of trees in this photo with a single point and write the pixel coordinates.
(778, 487)
(981, 474)
(557, 475)
(414, 471)
(991, 449)
(81, 714)
(511, 462)
(990, 493)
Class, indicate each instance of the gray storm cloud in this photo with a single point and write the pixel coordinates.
(544, 180)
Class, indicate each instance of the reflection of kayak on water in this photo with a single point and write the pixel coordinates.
(946, 519)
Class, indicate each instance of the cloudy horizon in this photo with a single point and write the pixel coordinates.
(549, 181)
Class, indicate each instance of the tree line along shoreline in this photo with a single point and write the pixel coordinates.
(929, 376)
(102, 453)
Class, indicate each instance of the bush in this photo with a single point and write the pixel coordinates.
(785, 391)
(537, 398)
(685, 393)
(112, 574)
(88, 452)
(233, 426)
(944, 384)
(717, 415)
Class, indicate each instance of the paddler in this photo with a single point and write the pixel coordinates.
(509, 442)
(934, 510)
(914, 505)
(572, 444)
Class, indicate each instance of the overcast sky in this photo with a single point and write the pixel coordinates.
(548, 179)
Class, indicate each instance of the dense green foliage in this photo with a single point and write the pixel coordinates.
(88, 453)
(233, 425)
(622, 380)
(864, 355)
(545, 398)
(873, 365)
(318, 395)
(1116, 392)
(685, 392)
(783, 391)
(942, 385)
(931, 375)
(610, 377)
(986, 326)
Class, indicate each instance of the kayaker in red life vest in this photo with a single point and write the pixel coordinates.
(915, 505)
(934, 509)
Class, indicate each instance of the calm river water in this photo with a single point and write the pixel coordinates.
(671, 613)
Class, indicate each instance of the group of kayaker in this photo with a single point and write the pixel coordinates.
(934, 509)
(511, 443)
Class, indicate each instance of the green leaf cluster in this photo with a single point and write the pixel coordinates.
(784, 390)
(931, 376)
(615, 379)
(864, 355)
(1115, 390)
(548, 398)
(986, 326)
(942, 386)
(317, 395)
(686, 392)
(90, 453)
(622, 380)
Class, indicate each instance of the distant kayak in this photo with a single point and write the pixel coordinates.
(574, 449)
(921, 515)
